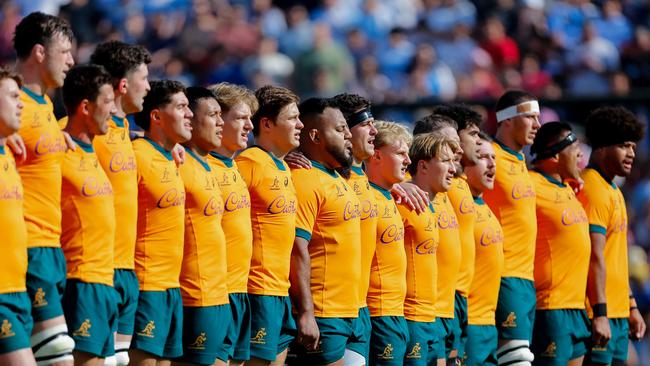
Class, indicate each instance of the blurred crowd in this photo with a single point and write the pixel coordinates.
(390, 50)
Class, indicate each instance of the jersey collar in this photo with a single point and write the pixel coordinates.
(40, 99)
(278, 162)
(119, 122)
(602, 175)
(479, 200)
(550, 179)
(330, 172)
(166, 154)
(357, 170)
(225, 160)
(83, 145)
(381, 190)
(197, 158)
(2, 149)
(510, 151)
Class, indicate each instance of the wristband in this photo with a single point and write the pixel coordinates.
(633, 307)
(600, 309)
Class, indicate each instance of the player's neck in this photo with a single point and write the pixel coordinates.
(196, 149)
(508, 140)
(160, 138)
(476, 193)
(119, 108)
(595, 162)
(267, 144)
(553, 173)
(376, 178)
(77, 130)
(224, 151)
(31, 78)
(421, 181)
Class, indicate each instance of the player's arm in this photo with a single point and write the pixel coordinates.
(596, 287)
(411, 195)
(300, 291)
(17, 146)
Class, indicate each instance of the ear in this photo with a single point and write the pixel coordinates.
(422, 165)
(313, 135)
(265, 123)
(39, 52)
(82, 108)
(122, 86)
(154, 115)
(376, 155)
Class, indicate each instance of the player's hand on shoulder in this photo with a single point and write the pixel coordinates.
(411, 195)
(69, 143)
(296, 160)
(17, 146)
(178, 153)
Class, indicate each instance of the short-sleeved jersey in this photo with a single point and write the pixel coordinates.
(368, 208)
(448, 255)
(41, 172)
(605, 207)
(563, 245)
(328, 218)
(513, 202)
(463, 203)
(161, 217)
(204, 270)
(273, 218)
(420, 244)
(236, 222)
(12, 226)
(387, 289)
(116, 156)
(484, 292)
(88, 225)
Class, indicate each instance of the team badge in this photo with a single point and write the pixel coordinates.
(5, 329)
(415, 351)
(199, 342)
(147, 331)
(83, 329)
(259, 337)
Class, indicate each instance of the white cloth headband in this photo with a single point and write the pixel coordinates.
(524, 108)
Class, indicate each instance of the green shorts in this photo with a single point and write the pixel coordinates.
(448, 331)
(159, 323)
(335, 334)
(16, 322)
(236, 345)
(421, 347)
(272, 326)
(362, 328)
(204, 329)
(616, 347)
(46, 276)
(388, 340)
(460, 314)
(515, 313)
(91, 315)
(481, 346)
(560, 336)
(126, 285)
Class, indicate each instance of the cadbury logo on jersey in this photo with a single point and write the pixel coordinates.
(171, 198)
(281, 205)
(466, 205)
(571, 216)
(428, 246)
(120, 163)
(350, 211)
(236, 201)
(47, 144)
(491, 236)
(446, 221)
(212, 207)
(368, 210)
(10, 193)
(521, 190)
(92, 188)
(392, 234)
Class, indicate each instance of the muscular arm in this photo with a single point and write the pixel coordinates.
(597, 270)
(300, 291)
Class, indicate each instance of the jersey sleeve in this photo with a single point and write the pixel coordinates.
(597, 207)
(247, 170)
(309, 201)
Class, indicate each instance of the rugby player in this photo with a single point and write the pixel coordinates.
(237, 107)
(43, 44)
(326, 254)
(613, 133)
(204, 289)
(387, 289)
(165, 118)
(513, 202)
(273, 214)
(432, 169)
(562, 250)
(15, 314)
(88, 219)
(481, 344)
(127, 65)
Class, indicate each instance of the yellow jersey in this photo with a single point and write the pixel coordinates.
(204, 270)
(273, 219)
(421, 244)
(448, 255)
(513, 202)
(12, 226)
(161, 218)
(236, 222)
(387, 289)
(41, 172)
(605, 207)
(563, 245)
(88, 225)
(115, 153)
(484, 291)
(358, 180)
(328, 218)
(463, 203)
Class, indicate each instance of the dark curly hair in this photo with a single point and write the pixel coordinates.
(83, 82)
(607, 126)
(120, 58)
(159, 96)
(38, 28)
(351, 103)
(271, 101)
(461, 113)
(433, 123)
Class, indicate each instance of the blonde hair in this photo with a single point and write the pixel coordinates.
(389, 133)
(427, 146)
(229, 95)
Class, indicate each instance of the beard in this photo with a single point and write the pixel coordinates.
(342, 156)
